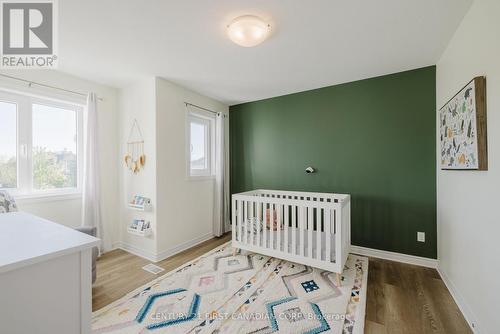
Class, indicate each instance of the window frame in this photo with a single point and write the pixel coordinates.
(208, 120)
(24, 142)
(7, 98)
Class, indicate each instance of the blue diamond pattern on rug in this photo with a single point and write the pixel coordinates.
(279, 311)
(309, 286)
(167, 300)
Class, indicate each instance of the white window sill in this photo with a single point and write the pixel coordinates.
(200, 177)
(47, 197)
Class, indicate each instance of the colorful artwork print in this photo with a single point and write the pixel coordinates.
(458, 131)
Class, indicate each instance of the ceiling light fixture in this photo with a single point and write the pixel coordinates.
(248, 30)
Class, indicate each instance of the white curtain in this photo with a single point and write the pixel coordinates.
(91, 206)
(221, 200)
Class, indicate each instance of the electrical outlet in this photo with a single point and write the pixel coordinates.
(421, 236)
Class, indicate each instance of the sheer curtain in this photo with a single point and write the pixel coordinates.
(221, 200)
(91, 205)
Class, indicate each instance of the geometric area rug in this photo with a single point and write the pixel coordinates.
(247, 293)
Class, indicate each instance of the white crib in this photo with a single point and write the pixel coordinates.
(303, 227)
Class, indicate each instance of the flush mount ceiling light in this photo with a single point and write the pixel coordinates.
(248, 30)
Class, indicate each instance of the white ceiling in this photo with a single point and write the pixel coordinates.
(315, 43)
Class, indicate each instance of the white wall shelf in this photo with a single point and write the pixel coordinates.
(144, 233)
(145, 207)
(140, 203)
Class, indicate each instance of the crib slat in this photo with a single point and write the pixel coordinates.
(338, 235)
(285, 244)
(248, 218)
(280, 222)
(259, 222)
(302, 225)
(251, 224)
(240, 220)
(309, 232)
(318, 234)
(233, 219)
(264, 224)
(245, 222)
(271, 225)
(294, 229)
(328, 238)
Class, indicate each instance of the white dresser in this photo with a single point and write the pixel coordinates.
(45, 276)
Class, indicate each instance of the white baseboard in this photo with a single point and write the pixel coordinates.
(157, 257)
(398, 257)
(135, 250)
(462, 305)
(182, 247)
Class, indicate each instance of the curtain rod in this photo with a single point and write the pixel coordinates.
(30, 83)
(194, 105)
(210, 111)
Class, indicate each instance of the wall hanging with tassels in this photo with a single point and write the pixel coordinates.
(135, 158)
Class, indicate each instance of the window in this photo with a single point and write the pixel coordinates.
(201, 142)
(40, 145)
(54, 147)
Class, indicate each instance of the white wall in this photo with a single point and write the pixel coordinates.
(182, 208)
(468, 215)
(138, 102)
(185, 207)
(67, 211)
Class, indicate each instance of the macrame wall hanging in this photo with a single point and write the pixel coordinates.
(135, 158)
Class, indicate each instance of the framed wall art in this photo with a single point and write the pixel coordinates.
(462, 128)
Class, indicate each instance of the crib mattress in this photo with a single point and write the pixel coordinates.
(304, 242)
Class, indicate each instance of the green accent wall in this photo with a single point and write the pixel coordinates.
(374, 139)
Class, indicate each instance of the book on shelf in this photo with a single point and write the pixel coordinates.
(140, 202)
(139, 225)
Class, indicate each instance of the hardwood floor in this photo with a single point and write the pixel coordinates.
(401, 298)
(119, 272)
